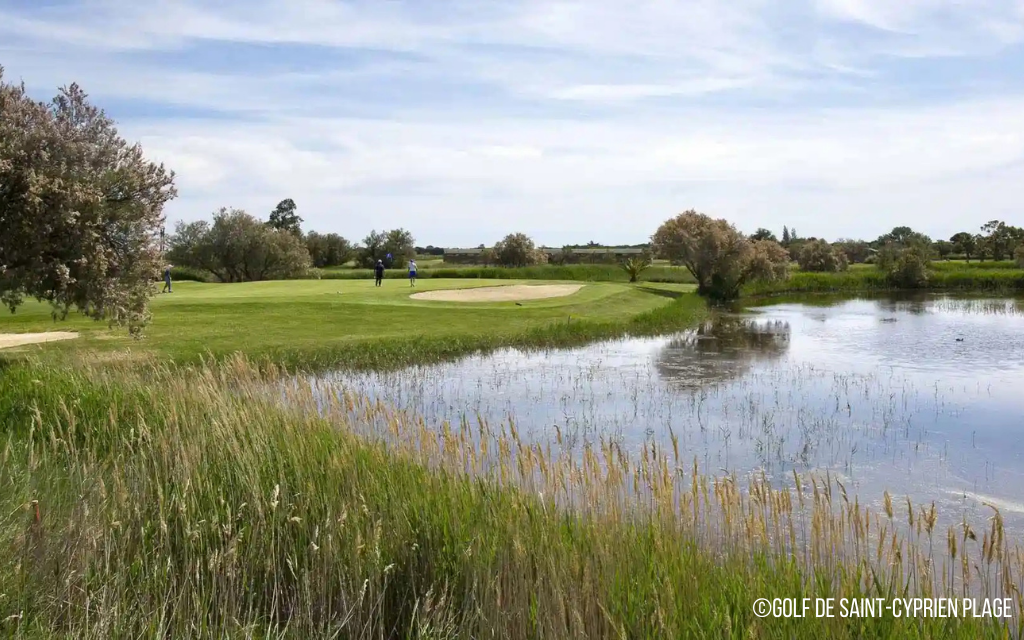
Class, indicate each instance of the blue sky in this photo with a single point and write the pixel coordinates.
(571, 120)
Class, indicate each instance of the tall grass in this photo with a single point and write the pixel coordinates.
(215, 502)
(943, 277)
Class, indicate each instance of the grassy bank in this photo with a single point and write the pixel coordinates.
(944, 277)
(157, 503)
(318, 324)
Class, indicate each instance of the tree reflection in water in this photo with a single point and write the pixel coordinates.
(722, 349)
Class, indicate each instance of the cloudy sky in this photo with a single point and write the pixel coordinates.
(570, 120)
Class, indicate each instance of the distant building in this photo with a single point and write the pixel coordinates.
(463, 256)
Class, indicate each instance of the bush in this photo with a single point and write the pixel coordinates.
(906, 267)
(238, 248)
(720, 258)
(518, 250)
(193, 275)
(328, 250)
(1018, 255)
(820, 256)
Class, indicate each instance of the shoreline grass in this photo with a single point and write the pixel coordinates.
(192, 504)
(951, 278)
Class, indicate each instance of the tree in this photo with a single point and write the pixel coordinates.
(943, 248)
(237, 247)
(903, 237)
(284, 218)
(516, 250)
(720, 258)
(636, 265)
(372, 250)
(906, 267)
(765, 234)
(855, 250)
(1018, 255)
(819, 255)
(328, 250)
(397, 243)
(965, 243)
(1001, 239)
(80, 209)
(785, 236)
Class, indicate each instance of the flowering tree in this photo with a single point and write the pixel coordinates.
(720, 258)
(80, 209)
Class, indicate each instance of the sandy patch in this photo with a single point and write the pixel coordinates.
(19, 339)
(508, 293)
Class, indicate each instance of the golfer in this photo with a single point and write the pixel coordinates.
(167, 280)
(412, 273)
(378, 272)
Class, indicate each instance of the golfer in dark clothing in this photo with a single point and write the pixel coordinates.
(378, 271)
(167, 280)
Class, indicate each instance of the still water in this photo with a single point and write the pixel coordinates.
(923, 396)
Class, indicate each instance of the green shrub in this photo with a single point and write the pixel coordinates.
(194, 275)
(906, 267)
(819, 255)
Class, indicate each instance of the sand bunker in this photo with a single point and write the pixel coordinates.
(19, 339)
(508, 293)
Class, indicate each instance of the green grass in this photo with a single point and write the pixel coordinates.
(318, 324)
(661, 273)
(867, 278)
(158, 503)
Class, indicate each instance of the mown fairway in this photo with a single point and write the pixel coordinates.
(298, 319)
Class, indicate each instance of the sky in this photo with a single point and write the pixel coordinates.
(569, 120)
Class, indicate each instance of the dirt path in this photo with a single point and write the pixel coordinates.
(508, 293)
(20, 339)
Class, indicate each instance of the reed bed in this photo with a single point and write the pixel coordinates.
(943, 277)
(207, 502)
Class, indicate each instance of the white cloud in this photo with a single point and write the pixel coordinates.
(566, 118)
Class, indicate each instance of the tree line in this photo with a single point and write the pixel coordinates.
(236, 246)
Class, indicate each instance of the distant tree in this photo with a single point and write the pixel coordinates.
(1001, 239)
(965, 243)
(328, 250)
(794, 248)
(818, 255)
(718, 256)
(785, 236)
(906, 266)
(487, 257)
(284, 218)
(371, 250)
(81, 209)
(765, 234)
(398, 243)
(395, 248)
(943, 248)
(237, 247)
(855, 250)
(635, 265)
(516, 250)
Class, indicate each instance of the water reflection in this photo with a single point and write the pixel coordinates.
(723, 348)
(919, 395)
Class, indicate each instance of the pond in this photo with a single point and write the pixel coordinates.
(922, 396)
